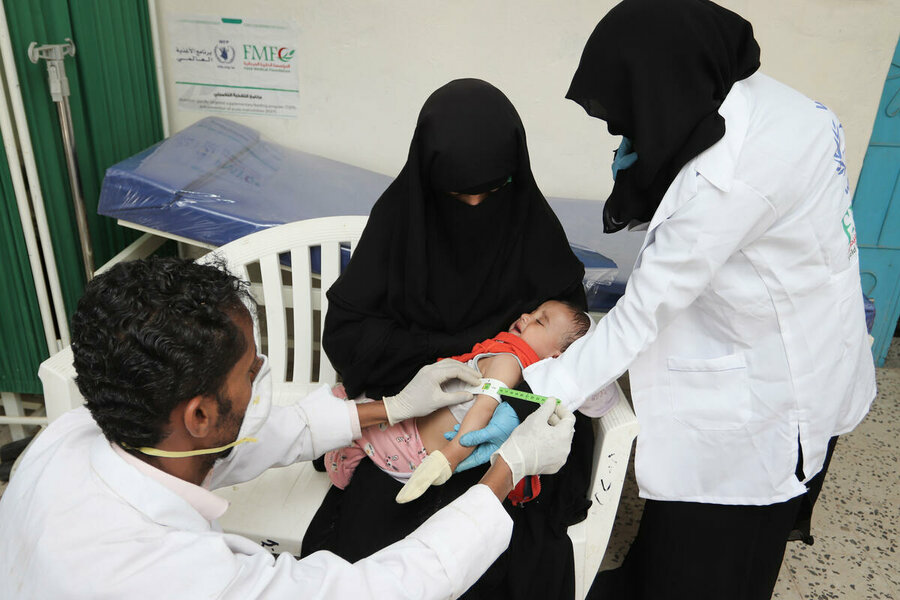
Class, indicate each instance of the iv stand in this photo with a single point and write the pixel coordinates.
(55, 55)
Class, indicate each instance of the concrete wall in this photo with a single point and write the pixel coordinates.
(367, 66)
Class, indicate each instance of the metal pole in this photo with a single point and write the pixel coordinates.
(55, 55)
(31, 183)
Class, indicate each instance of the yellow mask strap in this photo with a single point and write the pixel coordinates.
(186, 453)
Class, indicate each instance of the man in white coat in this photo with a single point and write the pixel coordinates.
(113, 500)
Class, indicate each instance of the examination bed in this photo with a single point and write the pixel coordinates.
(218, 180)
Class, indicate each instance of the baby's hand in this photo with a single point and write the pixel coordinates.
(338, 391)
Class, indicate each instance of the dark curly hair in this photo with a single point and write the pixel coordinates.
(152, 333)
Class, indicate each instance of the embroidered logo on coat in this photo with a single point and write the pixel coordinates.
(841, 168)
(839, 148)
(850, 231)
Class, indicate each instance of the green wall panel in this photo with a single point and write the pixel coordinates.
(115, 112)
(21, 331)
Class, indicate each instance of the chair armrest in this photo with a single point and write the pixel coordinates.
(57, 375)
(614, 434)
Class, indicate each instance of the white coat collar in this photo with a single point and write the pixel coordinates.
(205, 502)
(716, 164)
(156, 501)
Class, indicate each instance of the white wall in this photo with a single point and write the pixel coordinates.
(367, 66)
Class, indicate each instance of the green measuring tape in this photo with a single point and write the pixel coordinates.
(523, 395)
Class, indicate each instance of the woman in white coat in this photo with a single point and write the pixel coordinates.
(742, 326)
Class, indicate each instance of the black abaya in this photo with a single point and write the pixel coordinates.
(364, 518)
(430, 277)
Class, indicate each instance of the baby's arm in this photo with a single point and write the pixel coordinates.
(439, 465)
(503, 367)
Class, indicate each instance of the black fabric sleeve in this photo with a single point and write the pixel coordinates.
(372, 354)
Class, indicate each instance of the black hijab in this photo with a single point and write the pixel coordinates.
(432, 276)
(657, 71)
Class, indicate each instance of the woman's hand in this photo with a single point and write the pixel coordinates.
(488, 439)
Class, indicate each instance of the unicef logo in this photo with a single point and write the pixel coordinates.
(225, 54)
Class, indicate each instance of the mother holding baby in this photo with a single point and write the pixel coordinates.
(455, 250)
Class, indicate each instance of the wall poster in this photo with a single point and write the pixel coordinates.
(236, 66)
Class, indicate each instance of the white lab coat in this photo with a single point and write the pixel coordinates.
(742, 325)
(79, 522)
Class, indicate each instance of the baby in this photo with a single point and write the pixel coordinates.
(415, 451)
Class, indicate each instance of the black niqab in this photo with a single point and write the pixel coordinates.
(431, 275)
(657, 71)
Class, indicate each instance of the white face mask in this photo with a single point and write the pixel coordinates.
(254, 417)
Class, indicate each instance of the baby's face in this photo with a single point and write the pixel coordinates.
(544, 329)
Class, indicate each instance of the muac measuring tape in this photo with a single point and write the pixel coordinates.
(524, 395)
(492, 388)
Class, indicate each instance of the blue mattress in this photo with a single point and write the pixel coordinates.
(217, 180)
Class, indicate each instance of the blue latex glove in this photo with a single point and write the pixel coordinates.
(624, 157)
(488, 439)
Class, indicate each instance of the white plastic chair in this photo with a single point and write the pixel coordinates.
(275, 508)
(289, 297)
(57, 375)
(614, 434)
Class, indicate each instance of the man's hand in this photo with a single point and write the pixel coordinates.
(488, 439)
(541, 443)
(424, 395)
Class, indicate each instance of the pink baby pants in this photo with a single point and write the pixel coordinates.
(396, 449)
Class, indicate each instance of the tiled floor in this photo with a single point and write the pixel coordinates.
(856, 525)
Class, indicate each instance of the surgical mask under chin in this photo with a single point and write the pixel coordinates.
(256, 414)
(624, 157)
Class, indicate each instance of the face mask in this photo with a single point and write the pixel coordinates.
(624, 157)
(254, 417)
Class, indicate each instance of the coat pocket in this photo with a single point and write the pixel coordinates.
(710, 393)
(851, 310)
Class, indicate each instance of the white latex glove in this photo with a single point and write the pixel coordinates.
(424, 395)
(434, 470)
(541, 443)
